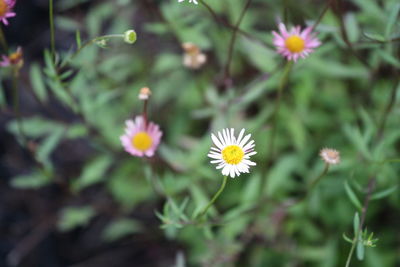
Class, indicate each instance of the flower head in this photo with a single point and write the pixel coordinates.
(6, 11)
(190, 1)
(330, 156)
(130, 36)
(232, 154)
(141, 138)
(13, 59)
(295, 43)
(144, 93)
(193, 58)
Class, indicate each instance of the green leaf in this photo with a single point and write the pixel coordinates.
(356, 223)
(392, 19)
(73, 217)
(38, 85)
(30, 181)
(375, 36)
(78, 39)
(384, 193)
(119, 229)
(352, 28)
(352, 196)
(94, 172)
(48, 145)
(360, 250)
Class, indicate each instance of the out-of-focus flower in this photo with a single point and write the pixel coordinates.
(14, 59)
(193, 58)
(190, 1)
(330, 156)
(232, 154)
(144, 93)
(295, 43)
(130, 36)
(6, 10)
(141, 138)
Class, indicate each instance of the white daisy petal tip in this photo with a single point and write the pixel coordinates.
(232, 153)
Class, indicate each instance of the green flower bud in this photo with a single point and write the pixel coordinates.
(130, 36)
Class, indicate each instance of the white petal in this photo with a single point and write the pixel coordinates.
(216, 141)
(245, 139)
(240, 136)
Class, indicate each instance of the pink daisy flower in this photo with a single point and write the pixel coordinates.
(141, 138)
(6, 11)
(14, 59)
(296, 43)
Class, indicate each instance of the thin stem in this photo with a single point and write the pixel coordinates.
(232, 43)
(52, 36)
(145, 112)
(322, 14)
(316, 180)
(389, 106)
(274, 115)
(3, 41)
(371, 187)
(214, 197)
(16, 105)
(77, 52)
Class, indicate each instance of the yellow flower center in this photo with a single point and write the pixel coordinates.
(142, 141)
(295, 44)
(3, 7)
(232, 154)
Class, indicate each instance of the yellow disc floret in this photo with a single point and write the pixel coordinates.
(295, 44)
(142, 141)
(3, 7)
(232, 154)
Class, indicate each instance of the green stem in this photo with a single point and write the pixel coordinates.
(16, 105)
(214, 197)
(95, 40)
(353, 246)
(316, 180)
(3, 41)
(282, 85)
(52, 36)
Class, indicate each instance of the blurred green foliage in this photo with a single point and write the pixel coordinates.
(341, 96)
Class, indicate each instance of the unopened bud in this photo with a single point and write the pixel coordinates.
(130, 36)
(145, 93)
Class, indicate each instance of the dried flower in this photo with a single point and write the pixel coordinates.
(330, 156)
(193, 58)
(130, 36)
(145, 93)
(296, 43)
(141, 138)
(190, 1)
(232, 154)
(14, 59)
(6, 10)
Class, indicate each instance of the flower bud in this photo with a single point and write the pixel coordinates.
(130, 36)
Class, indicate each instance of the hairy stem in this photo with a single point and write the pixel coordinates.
(232, 43)
(3, 41)
(214, 197)
(52, 35)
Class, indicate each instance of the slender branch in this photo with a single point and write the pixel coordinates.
(214, 198)
(16, 105)
(389, 106)
(232, 43)
(320, 17)
(52, 35)
(371, 188)
(94, 40)
(3, 41)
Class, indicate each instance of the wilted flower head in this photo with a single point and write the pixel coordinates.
(295, 43)
(6, 11)
(141, 138)
(193, 58)
(330, 156)
(145, 93)
(14, 59)
(190, 1)
(232, 154)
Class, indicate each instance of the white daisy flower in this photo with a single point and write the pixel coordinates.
(232, 154)
(190, 1)
(330, 156)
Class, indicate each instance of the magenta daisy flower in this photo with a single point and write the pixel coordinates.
(296, 43)
(141, 138)
(6, 11)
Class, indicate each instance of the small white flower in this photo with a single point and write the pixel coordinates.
(190, 1)
(232, 154)
(330, 156)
